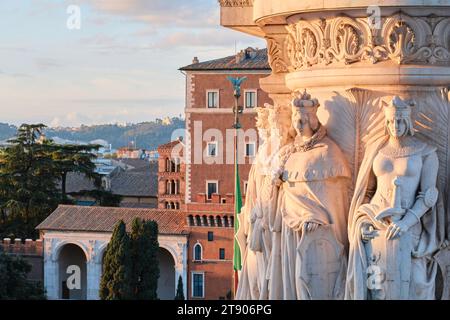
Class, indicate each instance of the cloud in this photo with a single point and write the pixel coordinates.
(169, 13)
(46, 63)
(222, 38)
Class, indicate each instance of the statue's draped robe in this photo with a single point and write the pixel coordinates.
(427, 236)
(315, 190)
(254, 236)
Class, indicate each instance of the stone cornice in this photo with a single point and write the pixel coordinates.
(401, 39)
(236, 3)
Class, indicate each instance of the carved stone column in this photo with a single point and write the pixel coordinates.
(51, 271)
(354, 56)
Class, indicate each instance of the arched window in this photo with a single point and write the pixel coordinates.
(177, 205)
(177, 186)
(198, 251)
(167, 187)
(167, 165)
(167, 205)
(172, 183)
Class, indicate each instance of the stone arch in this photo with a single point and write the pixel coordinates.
(219, 221)
(211, 221)
(60, 245)
(166, 282)
(72, 263)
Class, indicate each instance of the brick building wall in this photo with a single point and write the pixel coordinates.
(31, 251)
(205, 125)
(217, 270)
(171, 174)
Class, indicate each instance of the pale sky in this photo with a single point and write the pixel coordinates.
(120, 66)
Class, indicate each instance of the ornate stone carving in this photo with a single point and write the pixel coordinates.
(309, 223)
(394, 215)
(275, 54)
(402, 39)
(236, 3)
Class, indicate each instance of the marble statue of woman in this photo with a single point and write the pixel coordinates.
(251, 275)
(255, 235)
(311, 211)
(393, 217)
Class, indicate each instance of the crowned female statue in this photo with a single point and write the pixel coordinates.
(254, 234)
(311, 211)
(393, 215)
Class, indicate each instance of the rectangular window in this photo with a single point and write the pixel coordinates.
(250, 149)
(210, 236)
(211, 187)
(212, 149)
(213, 99)
(250, 99)
(197, 285)
(222, 254)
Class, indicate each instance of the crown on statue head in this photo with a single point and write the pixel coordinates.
(398, 108)
(304, 103)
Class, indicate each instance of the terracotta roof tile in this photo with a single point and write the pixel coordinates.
(103, 219)
(259, 62)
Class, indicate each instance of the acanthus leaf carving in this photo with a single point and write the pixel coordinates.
(276, 60)
(402, 39)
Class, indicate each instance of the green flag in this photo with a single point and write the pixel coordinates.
(237, 210)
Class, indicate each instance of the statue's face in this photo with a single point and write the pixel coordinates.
(305, 123)
(397, 127)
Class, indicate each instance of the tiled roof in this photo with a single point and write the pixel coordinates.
(136, 182)
(259, 62)
(142, 181)
(76, 182)
(169, 145)
(134, 163)
(103, 219)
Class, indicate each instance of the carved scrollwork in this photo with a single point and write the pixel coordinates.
(276, 61)
(236, 3)
(303, 44)
(401, 39)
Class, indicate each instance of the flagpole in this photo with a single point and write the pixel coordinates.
(237, 196)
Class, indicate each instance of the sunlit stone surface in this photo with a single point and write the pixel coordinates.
(375, 67)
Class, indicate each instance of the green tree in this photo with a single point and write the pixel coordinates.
(116, 278)
(75, 158)
(13, 280)
(145, 264)
(180, 293)
(31, 170)
(28, 190)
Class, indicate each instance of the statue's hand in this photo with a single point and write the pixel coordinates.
(396, 229)
(310, 226)
(368, 232)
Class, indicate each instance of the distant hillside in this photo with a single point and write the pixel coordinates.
(7, 131)
(148, 135)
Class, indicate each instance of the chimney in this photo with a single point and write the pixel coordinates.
(195, 60)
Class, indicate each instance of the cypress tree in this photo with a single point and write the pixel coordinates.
(147, 264)
(180, 294)
(115, 282)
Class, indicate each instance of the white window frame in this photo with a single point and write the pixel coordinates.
(201, 252)
(192, 283)
(217, 149)
(217, 91)
(254, 149)
(245, 98)
(206, 186)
